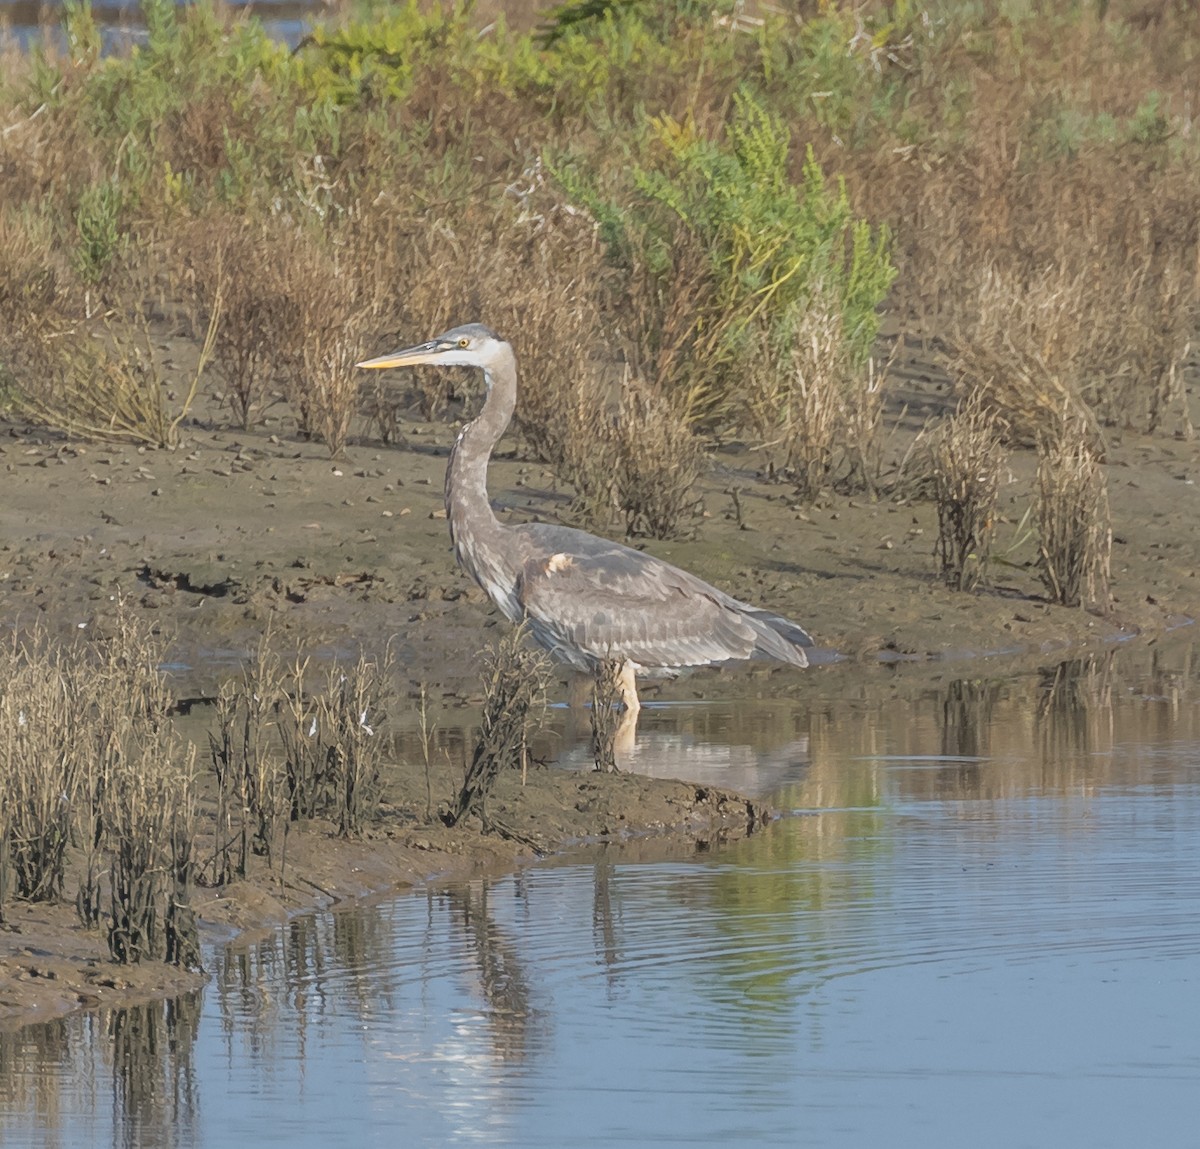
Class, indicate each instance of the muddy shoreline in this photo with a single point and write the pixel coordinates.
(232, 533)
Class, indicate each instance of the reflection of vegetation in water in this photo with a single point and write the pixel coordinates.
(1075, 712)
(784, 907)
(502, 979)
(32, 1060)
(967, 717)
(781, 901)
(154, 1087)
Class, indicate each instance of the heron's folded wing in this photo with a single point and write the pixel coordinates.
(621, 604)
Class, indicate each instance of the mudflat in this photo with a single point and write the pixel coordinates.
(232, 534)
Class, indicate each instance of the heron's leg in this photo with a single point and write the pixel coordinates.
(626, 732)
(627, 684)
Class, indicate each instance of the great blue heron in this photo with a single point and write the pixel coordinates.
(585, 599)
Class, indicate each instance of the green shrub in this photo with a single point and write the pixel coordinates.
(727, 253)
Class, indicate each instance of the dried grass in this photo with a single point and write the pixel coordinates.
(108, 384)
(817, 412)
(966, 461)
(514, 703)
(87, 756)
(1074, 521)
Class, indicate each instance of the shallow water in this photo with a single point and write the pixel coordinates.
(980, 926)
(121, 23)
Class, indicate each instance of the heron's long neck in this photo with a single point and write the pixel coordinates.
(474, 529)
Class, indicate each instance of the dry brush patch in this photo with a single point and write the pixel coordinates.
(816, 409)
(966, 460)
(1057, 281)
(1074, 521)
(514, 703)
(89, 763)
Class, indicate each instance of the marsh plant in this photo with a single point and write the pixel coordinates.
(88, 759)
(514, 705)
(1073, 518)
(244, 750)
(606, 714)
(333, 738)
(967, 459)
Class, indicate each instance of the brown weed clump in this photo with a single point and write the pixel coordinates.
(967, 458)
(514, 702)
(235, 271)
(816, 411)
(1059, 281)
(1074, 522)
(656, 461)
(88, 759)
(333, 739)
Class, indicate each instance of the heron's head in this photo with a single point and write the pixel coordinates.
(471, 345)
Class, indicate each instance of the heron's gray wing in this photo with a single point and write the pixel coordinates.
(602, 600)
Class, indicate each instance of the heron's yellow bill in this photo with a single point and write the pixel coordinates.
(409, 357)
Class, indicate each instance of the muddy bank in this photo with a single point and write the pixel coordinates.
(233, 533)
(51, 965)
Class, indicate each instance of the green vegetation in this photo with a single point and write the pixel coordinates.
(689, 214)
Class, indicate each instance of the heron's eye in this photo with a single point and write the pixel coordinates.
(464, 342)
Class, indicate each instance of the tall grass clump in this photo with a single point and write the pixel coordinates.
(252, 800)
(149, 817)
(89, 761)
(333, 739)
(141, 797)
(967, 458)
(236, 275)
(514, 700)
(1073, 519)
(41, 767)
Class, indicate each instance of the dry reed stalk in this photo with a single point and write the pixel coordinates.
(110, 388)
(1074, 521)
(244, 750)
(605, 717)
(332, 741)
(966, 462)
(514, 701)
(657, 461)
